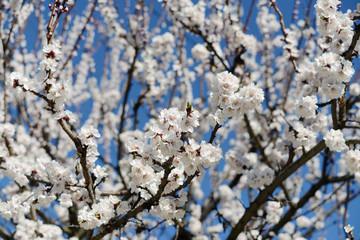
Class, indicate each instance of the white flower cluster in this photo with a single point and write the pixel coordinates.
(232, 99)
(162, 44)
(237, 161)
(334, 140)
(43, 197)
(306, 107)
(167, 142)
(352, 161)
(17, 79)
(303, 222)
(230, 207)
(267, 21)
(299, 136)
(15, 170)
(86, 135)
(332, 72)
(187, 11)
(334, 26)
(274, 211)
(170, 208)
(257, 178)
(236, 37)
(14, 165)
(291, 41)
(29, 229)
(58, 176)
(55, 91)
(199, 52)
(354, 89)
(195, 225)
(16, 207)
(99, 213)
(28, 165)
(257, 175)
(157, 76)
(52, 55)
(356, 12)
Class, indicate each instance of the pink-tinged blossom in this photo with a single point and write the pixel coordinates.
(170, 118)
(334, 71)
(18, 81)
(87, 218)
(48, 64)
(134, 146)
(346, 72)
(175, 180)
(67, 115)
(52, 50)
(57, 172)
(327, 64)
(144, 179)
(219, 117)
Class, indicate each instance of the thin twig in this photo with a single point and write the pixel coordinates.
(264, 194)
(292, 58)
(248, 16)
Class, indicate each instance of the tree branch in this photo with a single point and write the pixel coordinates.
(264, 194)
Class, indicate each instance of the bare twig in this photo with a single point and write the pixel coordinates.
(248, 16)
(282, 24)
(264, 194)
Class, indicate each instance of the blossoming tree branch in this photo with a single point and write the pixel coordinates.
(178, 119)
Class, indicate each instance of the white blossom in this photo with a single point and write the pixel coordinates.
(306, 107)
(348, 228)
(335, 141)
(274, 211)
